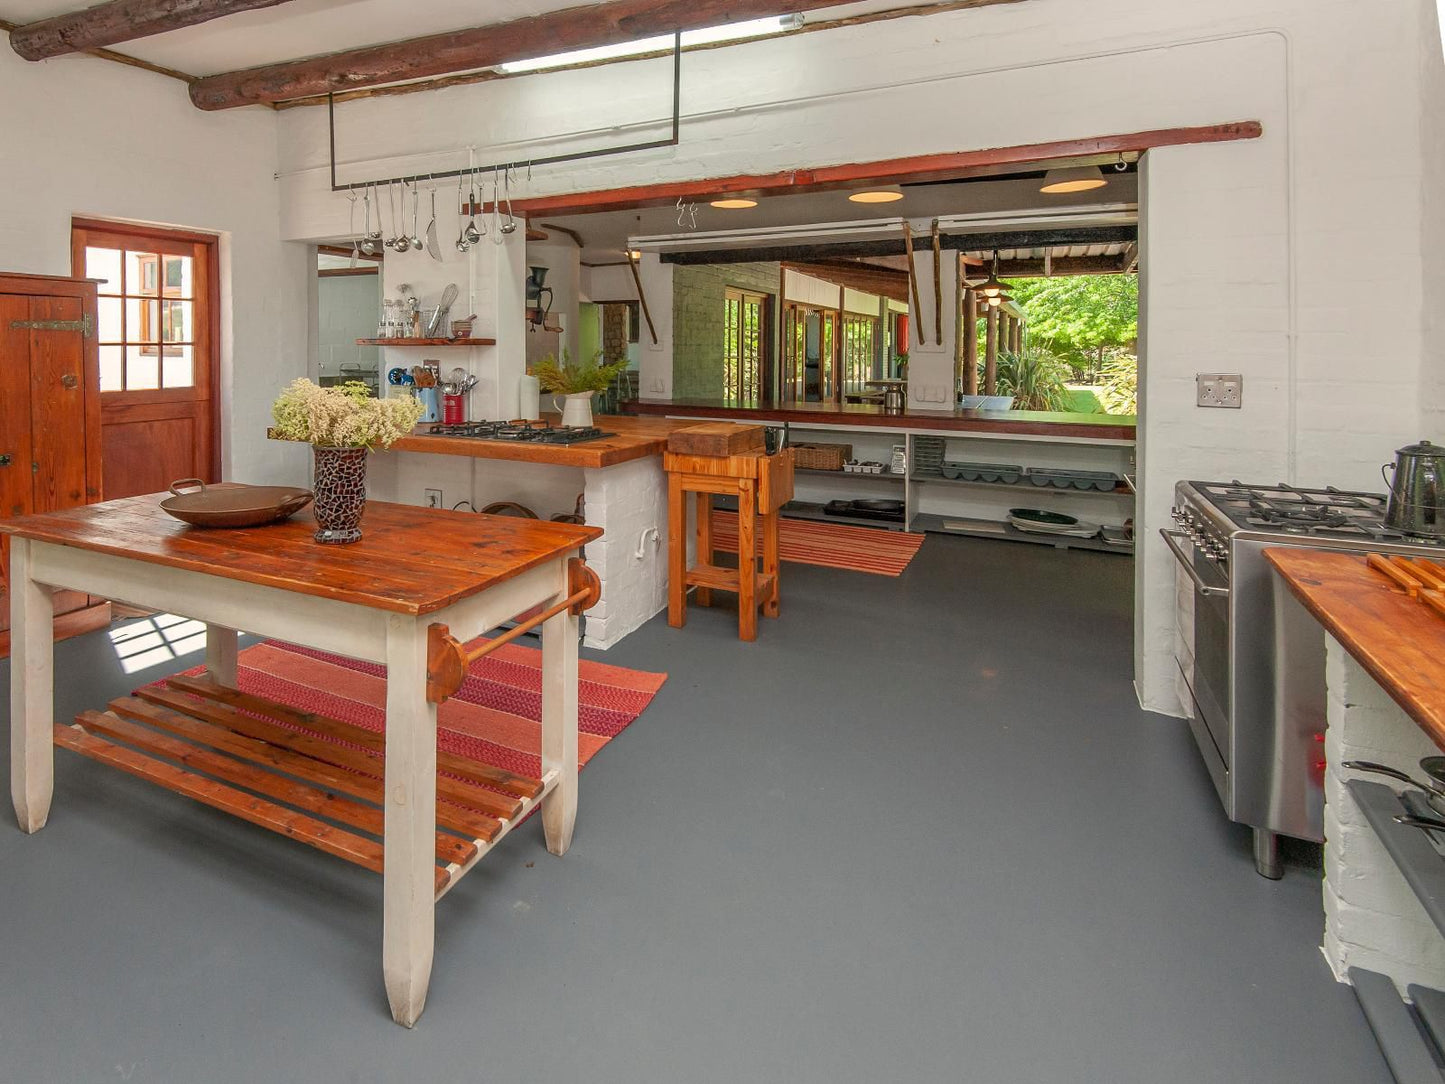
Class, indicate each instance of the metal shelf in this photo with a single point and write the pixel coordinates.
(1409, 1052)
(1001, 530)
(426, 342)
(1025, 484)
(1423, 868)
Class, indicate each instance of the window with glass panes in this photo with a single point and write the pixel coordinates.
(859, 333)
(147, 316)
(744, 349)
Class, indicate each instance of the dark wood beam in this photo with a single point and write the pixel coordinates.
(1061, 267)
(582, 27)
(945, 166)
(117, 21)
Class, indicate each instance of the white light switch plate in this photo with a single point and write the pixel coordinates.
(1219, 390)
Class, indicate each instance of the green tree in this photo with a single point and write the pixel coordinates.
(1081, 318)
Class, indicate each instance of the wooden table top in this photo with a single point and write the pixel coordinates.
(410, 560)
(1397, 639)
(633, 438)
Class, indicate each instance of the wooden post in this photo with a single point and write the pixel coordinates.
(32, 691)
(1016, 335)
(221, 655)
(970, 342)
(409, 873)
(559, 725)
(990, 362)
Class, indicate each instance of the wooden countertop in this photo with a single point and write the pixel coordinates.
(410, 560)
(633, 438)
(1399, 640)
(1101, 427)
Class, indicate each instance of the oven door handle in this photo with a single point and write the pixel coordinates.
(1171, 539)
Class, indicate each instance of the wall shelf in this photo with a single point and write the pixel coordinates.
(1025, 484)
(1002, 531)
(426, 342)
(851, 475)
(1423, 868)
(1408, 1035)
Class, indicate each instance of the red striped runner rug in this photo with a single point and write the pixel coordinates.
(495, 717)
(830, 545)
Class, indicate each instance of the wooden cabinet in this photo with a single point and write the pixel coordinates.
(49, 419)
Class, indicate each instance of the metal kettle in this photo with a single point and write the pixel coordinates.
(1417, 490)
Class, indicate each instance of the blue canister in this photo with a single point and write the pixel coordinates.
(431, 404)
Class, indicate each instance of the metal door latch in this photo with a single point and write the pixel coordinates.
(4, 460)
(84, 325)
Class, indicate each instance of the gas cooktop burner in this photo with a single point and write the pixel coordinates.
(1294, 510)
(520, 431)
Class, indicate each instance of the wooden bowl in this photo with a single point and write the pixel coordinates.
(232, 504)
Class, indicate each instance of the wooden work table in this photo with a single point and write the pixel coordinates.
(419, 585)
(632, 438)
(1398, 640)
(1100, 427)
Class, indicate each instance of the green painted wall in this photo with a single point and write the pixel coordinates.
(589, 331)
(697, 321)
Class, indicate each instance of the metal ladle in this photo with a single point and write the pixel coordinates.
(473, 234)
(368, 242)
(416, 241)
(510, 225)
(462, 243)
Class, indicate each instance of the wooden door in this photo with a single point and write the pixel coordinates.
(48, 414)
(157, 320)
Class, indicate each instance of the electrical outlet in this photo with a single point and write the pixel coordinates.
(433, 498)
(1220, 390)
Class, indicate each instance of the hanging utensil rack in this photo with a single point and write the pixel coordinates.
(549, 160)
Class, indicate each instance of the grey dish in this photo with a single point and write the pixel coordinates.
(982, 472)
(1062, 478)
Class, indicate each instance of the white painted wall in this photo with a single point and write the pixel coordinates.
(1261, 257)
(82, 136)
(564, 276)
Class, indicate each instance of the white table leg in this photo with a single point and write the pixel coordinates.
(221, 654)
(32, 697)
(411, 781)
(559, 727)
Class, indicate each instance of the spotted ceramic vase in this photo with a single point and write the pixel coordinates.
(340, 488)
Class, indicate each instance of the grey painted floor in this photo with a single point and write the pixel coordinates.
(918, 831)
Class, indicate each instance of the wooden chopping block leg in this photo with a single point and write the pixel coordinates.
(676, 552)
(771, 528)
(747, 559)
(703, 596)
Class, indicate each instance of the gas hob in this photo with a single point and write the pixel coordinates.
(518, 432)
(1327, 513)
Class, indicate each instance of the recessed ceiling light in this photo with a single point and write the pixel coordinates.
(888, 193)
(1073, 179)
(734, 203)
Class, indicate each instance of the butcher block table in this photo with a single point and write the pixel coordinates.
(420, 584)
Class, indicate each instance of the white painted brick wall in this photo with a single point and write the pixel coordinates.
(1372, 918)
(626, 501)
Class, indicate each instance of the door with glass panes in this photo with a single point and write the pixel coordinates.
(156, 336)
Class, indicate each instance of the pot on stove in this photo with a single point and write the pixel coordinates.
(1417, 490)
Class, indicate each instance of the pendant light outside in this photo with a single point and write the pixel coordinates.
(1073, 179)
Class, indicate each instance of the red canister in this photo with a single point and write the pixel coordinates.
(454, 409)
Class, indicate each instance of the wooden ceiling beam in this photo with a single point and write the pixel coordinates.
(117, 21)
(582, 27)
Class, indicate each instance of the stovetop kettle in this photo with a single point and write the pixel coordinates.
(1417, 490)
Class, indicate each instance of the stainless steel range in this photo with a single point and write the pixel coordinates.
(1252, 659)
(517, 432)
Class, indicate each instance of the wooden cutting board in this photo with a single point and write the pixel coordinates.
(715, 438)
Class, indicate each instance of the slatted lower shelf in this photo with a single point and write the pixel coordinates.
(322, 784)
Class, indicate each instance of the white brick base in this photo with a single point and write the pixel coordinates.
(1372, 918)
(629, 502)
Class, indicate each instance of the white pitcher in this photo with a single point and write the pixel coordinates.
(577, 409)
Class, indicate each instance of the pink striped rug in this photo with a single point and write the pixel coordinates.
(830, 545)
(494, 718)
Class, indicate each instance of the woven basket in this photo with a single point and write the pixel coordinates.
(822, 456)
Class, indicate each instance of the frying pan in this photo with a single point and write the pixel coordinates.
(1432, 790)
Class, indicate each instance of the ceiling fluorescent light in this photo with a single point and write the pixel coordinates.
(752, 28)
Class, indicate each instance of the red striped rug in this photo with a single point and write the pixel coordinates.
(495, 717)
(830, 545)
